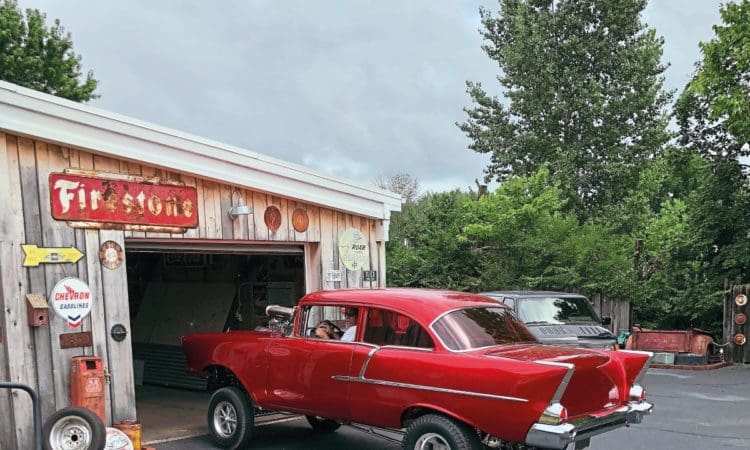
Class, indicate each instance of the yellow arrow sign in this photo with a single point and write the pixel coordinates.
(49, 255)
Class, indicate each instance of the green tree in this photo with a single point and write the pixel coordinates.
(715, 103)
(423, 250)
(40, 57)
(583, 83)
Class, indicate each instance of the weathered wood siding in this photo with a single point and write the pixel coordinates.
(33, 356)
(618, 310)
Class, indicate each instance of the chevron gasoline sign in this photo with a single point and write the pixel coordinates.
(71, 299)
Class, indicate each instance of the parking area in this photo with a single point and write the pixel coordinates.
(694, 410)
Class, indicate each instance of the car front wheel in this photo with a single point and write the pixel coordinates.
(230, 417)
(435, 432)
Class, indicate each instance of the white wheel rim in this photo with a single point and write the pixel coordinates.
(71, 433)
(431, 441)
(225, 419)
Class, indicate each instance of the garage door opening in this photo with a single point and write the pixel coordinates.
(177, 291)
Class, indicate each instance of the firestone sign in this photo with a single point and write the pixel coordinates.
(71, 299)
(85, 199)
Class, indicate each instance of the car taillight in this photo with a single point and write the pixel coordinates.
(637, 393)
(554, 414)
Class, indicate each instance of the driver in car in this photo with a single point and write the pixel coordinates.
(328, 330)
(351, 315)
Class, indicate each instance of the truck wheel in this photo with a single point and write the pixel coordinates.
(322, 425)
(230, 417)
(432, 431)
(74, 428)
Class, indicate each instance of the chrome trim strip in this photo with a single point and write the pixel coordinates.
(426, 388)
(407, 348)
(367, 362)
(565, 381)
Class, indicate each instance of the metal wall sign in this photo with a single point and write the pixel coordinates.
(99, 202)
(110, 255)
(333, 276)
(272, 218)
(35, 255)
(369, 275)
(75, 340)
(353, 249)
(71, 299)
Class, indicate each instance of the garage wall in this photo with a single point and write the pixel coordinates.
(33, 355)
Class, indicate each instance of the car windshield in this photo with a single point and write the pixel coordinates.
(471, 328)
(555, 310)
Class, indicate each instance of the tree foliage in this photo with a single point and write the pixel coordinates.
(403, 184)
(583, 80)
(40, 57)
(519, 236)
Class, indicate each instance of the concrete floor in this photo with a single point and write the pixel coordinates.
(167, 414)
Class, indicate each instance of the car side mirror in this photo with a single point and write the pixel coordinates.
(606, 320)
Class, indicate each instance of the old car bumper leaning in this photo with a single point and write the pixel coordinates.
(559, 436)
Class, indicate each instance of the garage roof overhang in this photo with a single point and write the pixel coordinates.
(53, 119)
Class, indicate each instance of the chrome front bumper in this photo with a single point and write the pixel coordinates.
(559, 436)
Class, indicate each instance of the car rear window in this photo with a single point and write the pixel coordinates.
(472, 328)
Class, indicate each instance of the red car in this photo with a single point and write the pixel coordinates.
(454, 370)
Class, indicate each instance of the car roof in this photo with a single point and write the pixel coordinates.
(422, 304)
(530, 294)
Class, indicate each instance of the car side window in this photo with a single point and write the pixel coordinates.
(510, 302)
(385, 327)
(329, 318)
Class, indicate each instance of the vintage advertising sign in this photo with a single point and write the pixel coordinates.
(71, 299)
(35, 255)
(121, 203)
(353, 249)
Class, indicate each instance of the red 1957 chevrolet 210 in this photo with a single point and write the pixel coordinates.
(455, 370)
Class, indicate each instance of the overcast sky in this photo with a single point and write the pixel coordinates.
(355, 89)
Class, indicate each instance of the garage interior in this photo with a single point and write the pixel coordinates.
(174, 291)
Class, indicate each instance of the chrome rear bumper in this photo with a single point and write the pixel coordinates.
(559, 436)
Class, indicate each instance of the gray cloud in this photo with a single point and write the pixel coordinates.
(355, 89)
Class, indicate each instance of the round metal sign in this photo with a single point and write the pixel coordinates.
(739, 339)
(118, 332)
(740, 319)
(741, 300)
(300, 221)
(272, 218)
(353, 249)
(117, 440)
(71, 299)
(110, 255)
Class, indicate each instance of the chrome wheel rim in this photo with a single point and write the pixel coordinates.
(431, 441)
(71, 433)
(225, 419)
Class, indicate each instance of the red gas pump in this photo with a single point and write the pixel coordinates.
(87, 384)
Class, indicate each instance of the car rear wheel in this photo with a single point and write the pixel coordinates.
(74, 428)
(230, 418)
(322, 425)
(435, 432)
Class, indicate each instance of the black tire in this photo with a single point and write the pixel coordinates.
(440, 429)
(78, 427)
(230, 418)
(322, 425)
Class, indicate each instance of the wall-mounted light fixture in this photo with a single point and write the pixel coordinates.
(240, 208)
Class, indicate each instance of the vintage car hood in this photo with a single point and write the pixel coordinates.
(573, 335)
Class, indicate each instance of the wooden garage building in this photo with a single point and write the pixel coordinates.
(282, 209)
